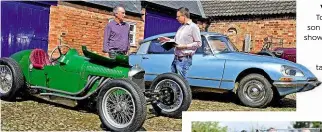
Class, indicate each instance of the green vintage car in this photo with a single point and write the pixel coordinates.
(116, 89)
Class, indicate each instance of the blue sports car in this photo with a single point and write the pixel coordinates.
(218, 66)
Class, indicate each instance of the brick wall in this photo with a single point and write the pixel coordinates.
(258, 29)
(83, 26)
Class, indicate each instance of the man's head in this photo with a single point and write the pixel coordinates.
(183, 14)
(119, 13)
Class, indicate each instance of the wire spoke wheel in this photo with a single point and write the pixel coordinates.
(118, 107)
(6, 79)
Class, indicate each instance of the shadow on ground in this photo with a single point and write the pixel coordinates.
(286, 102)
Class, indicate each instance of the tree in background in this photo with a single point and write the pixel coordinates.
(308, 124)
(208, 127)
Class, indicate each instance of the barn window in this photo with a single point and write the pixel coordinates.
(132, 33)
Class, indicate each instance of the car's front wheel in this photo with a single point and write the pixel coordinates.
(121, 105)
(174, 95)
(11, 79)
(255, 91)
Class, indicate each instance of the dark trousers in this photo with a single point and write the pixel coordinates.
(181, 65)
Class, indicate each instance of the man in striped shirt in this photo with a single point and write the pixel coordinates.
(187, 39)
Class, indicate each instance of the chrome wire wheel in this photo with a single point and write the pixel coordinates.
(171, 95)
(6, 79)
(118, 107)
(254, 91)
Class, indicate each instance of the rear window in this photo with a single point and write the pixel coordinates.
(156, 48)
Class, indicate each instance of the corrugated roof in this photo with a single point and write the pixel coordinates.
(237, 8)
(195, 7)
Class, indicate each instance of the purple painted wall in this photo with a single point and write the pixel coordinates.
(24, 25)
(157, 23)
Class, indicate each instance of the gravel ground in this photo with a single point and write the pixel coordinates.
(37, 115)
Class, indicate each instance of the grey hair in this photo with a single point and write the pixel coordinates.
(184, 11)
(116, 8)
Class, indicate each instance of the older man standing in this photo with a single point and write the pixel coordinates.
(187, 39)
(116, 34)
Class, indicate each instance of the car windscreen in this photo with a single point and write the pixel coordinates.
(220, 44)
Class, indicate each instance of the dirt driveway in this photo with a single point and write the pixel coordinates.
(42, 116)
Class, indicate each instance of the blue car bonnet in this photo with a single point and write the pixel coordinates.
(262, 58)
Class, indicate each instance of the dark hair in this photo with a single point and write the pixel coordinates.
(116, 8)
(184, 11)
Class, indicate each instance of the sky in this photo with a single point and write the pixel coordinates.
(239, 126)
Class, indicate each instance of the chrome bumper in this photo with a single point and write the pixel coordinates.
(136, 74)
(296, 84)
(285, 88)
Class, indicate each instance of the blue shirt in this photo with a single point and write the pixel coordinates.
(116, 36)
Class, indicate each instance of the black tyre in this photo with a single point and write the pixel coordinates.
(11, 79)
(175, 95)
(121, 105)
(255, 91)
(267, 53)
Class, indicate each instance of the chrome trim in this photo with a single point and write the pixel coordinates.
(134, 70)
(151, 74)
(136, 74)
(297, 84)
(204, 78)
(91, 81)
(201, 78)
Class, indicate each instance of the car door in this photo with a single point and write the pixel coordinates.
(157, 60)
(206, 69)
(136, 59)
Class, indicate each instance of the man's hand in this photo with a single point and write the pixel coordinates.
(163, 39)
(181, 46)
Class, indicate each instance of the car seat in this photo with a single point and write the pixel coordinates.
(39, 58)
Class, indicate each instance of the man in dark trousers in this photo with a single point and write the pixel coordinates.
(116, 34)
(187, 39)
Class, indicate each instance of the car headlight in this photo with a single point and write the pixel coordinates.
(291, 71)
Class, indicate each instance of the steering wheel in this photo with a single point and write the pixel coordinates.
(226, 49)
(60, 52)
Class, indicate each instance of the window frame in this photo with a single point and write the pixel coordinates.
(204, 42)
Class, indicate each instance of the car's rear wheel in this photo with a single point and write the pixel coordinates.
(11, 79)
(121, 105)
(255, 91)
(174, 95)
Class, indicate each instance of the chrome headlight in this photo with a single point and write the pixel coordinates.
(136, 74)
(291, 71)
